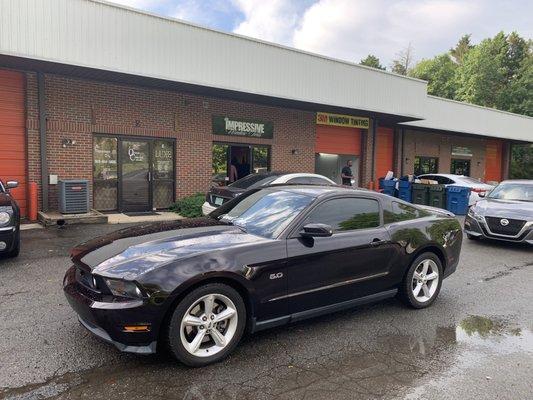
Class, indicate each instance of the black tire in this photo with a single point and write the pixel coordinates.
(173, 338)
(14, 252)
(405, 292)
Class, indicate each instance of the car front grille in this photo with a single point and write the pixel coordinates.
(512, 229)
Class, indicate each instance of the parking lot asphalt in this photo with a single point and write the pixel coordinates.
(476, 341)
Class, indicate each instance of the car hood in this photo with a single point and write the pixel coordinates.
(131, 252)
(505, 208)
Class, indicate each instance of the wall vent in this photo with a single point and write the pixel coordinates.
(73, 196)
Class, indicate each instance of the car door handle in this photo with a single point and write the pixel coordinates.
(377, 242)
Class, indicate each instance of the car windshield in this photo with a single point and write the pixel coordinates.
(267, 213)
(253, 181)
(512, 191)
(472, 181)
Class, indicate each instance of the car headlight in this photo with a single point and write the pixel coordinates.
(5, 217)
(122, 288)
(472, 213)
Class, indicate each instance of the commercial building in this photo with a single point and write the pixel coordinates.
(148, 109)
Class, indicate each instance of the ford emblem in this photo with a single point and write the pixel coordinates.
(504, 222)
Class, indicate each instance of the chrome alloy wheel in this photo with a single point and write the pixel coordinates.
(425, 280)
(208, 325)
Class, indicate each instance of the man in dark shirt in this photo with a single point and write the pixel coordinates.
(347, 174)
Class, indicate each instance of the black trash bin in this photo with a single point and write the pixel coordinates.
(420, 194)
(437, 196)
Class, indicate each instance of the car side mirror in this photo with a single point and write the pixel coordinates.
(316, 230)
(12, 184)
(482, 194)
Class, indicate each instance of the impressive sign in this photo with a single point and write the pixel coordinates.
(242, 127)
(461, 151)
(347, 121)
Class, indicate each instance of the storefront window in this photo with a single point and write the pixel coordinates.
(521, 161)
(426, 165)
(163, 173)
(246, 159)
(105, 173)
(220, 163)
(460, 167)
(260, 159)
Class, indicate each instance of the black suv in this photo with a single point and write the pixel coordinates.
(9, 221)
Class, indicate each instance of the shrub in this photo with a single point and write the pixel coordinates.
(190, 206)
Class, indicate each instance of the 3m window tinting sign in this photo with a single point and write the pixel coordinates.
(223, 125)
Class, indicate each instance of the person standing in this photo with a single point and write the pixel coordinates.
(347, 174)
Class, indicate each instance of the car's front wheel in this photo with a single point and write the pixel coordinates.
(207, 325)
(423, 281)
(14, 252)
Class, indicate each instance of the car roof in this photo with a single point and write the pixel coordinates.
(318, 190)
(291, 175)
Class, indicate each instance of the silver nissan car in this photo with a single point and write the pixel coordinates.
(506, 213)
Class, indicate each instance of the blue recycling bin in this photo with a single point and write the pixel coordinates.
(404, 191)
(389, 187)
(457, 198)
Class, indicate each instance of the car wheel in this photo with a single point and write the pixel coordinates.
(206, 325)
(423, 280)
(16, 249)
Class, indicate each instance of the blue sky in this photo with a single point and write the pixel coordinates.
(351, 29)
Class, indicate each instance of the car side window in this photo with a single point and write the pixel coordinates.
(402, 212)
(318, 181)
(301, 180)
(346, 214)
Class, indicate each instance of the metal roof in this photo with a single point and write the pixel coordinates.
(101, 35)
(455, 116)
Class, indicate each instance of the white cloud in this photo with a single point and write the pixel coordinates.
(272, 20)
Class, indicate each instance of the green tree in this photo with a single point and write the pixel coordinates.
(372, 61)
(440, 74)
(521, 162)
(498, 73)
(461, 48)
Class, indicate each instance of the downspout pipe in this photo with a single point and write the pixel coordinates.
(42, 138)
(373, 163)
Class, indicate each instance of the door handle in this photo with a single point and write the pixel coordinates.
(377, 242)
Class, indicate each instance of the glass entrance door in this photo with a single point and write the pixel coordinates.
(460, 167)
(135, 176)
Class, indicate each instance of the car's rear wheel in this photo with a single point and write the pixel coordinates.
(423, 281)
(207, 325)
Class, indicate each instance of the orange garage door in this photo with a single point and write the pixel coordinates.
(12, 137)
(338, 140)
(493, 160)
(384, 151)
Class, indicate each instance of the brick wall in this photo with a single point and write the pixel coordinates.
(431, 144)
(77, 108)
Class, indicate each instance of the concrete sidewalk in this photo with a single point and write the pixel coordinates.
(119, 218)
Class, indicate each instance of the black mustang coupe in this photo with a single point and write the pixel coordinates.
(269, 257)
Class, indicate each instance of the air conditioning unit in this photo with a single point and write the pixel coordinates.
(73, 196)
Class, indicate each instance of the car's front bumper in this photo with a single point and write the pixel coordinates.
(477, 228)
(207, 208)
(7, 238)
(107, 320)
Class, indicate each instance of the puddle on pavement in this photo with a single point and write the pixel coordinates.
(283, 365)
